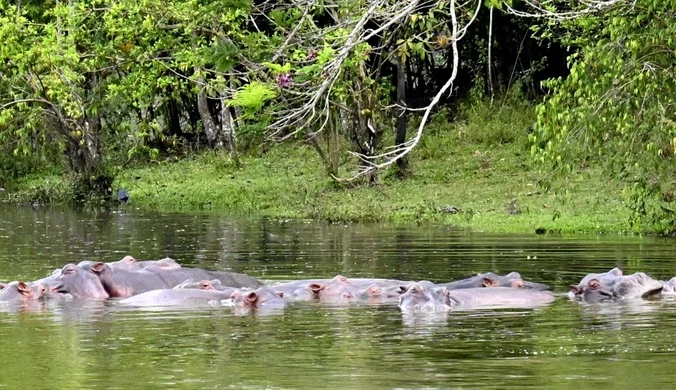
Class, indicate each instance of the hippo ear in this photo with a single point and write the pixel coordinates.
(488, 282)
(575, 289)
(374, 290)
(98, 267)
(594, 284)
(317, 287)
(280, 293)
(402, 289)
(513, 275)
(23, 287)
(445, 295)
(251, 297)
(128, 259)
(3, 285)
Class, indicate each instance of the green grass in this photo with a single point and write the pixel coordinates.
(477, 163)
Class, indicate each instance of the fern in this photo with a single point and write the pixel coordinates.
(253, 96)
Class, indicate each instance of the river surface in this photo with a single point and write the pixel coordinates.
(98, 345)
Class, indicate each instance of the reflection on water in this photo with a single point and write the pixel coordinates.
(77, 344)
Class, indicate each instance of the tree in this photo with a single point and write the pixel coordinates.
(328, 71)
(53, 77)
(616, 108)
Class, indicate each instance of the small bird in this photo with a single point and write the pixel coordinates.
(122, 196)
(512, 208)
(450, 209)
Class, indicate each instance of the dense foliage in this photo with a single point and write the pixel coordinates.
(88, 87)
(617, 106)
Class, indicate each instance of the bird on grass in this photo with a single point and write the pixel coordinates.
(512, 208)
(122, 196)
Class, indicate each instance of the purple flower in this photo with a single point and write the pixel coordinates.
(284, 80)
(312, 54)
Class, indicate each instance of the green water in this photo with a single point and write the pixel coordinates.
(309, 345)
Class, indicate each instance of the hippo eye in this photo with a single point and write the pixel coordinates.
(69, 270)
(343, 279)
(414, 290)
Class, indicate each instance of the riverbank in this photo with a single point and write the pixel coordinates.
(475, 164)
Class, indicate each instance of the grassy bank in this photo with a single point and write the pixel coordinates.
(477, 163)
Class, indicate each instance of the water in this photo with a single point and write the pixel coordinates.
(308, 345)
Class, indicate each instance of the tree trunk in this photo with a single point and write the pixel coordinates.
(402, 117)
(228, 128)
(210, 129)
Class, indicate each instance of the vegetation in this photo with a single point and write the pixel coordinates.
(616, 109)
(474, 163)
(385, 110)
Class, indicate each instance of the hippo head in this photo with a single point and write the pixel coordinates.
(638, 285)
(128, 263)
(263, 297)
(593, 291)
(22, 292)
(374, 291)
(339, 287)
(424, 298)
(80, 283)
(166, 264)
(515, 283)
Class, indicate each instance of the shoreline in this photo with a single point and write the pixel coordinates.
(289, 182)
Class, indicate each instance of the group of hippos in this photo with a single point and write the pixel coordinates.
(165, 282)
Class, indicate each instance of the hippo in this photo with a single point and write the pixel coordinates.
(262, 298)
(336, 289)
(80, 283)
(21, 292)
(202, 285)
(669, 287)
(174, 277)
(420, 297)
(390, 292)
(610, 287)
(340, 288)
(606, 277)
(122, 283)
(129, 263)
(182, 297)
(498, 297)
(489, 279)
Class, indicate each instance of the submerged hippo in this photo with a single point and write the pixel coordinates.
(182, 297)
(21, 292)
(174, 277)
(129, 263)
(669, 287)
(337, 289)
(122, 283)
(204, 285)
(420, 297)
(490, 279)
(79, 282)
(391, 292)
(262, 298)
(610, 287)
